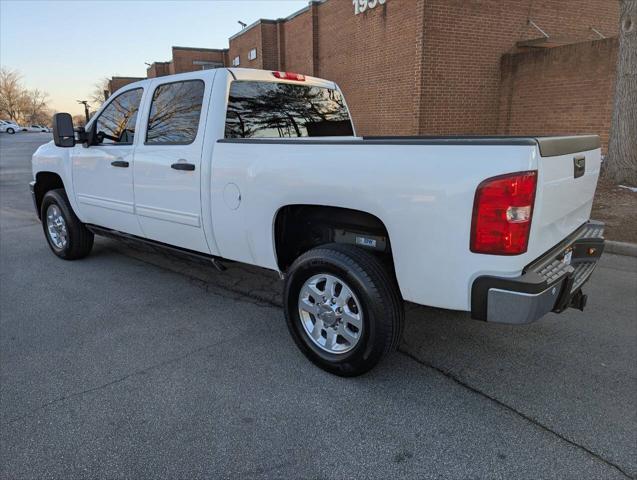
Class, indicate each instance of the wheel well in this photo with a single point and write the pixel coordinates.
(299, 228)
(45, 181)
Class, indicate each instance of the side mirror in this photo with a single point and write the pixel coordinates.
(63, 132)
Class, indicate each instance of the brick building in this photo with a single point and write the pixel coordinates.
(419, 67)
(115, 83)
(566, 89)
(187, 59)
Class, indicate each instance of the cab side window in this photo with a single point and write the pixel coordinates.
(116, 123)
(174, 113)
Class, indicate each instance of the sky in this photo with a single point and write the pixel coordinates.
(65, 47)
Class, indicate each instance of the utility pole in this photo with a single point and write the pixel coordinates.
(85, 103)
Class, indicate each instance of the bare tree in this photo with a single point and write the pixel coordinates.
(621, 164)
(35, 110)
(12, 95)
(19, 104)
(79, 120)
(97, 96)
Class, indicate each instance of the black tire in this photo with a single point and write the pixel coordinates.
(377, 291)
(79, 238)
(10, 131)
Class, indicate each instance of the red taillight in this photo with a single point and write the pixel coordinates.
(289, 76)
(502, 213)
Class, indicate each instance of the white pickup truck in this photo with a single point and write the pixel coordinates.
(265, 168)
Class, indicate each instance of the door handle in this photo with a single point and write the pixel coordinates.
(120, 163)
(189, 167)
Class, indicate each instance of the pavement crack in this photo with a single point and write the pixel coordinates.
(456, 379)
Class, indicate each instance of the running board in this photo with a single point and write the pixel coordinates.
(157, 246)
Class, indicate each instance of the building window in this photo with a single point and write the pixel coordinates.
(253, 54)
(236, 61)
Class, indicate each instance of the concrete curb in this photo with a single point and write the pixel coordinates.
(621, 248)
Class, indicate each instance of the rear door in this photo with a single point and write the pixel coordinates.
(168, 164)
(103, 173)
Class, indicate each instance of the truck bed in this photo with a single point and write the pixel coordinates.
(421, 188)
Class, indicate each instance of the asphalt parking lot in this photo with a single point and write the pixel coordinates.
(133, 364)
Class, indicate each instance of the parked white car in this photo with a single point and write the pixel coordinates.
(9, 127)
(265, 168)
(37, 128)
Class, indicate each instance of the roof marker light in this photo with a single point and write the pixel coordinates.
(297, 77)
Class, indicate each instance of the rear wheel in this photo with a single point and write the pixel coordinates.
(11, 131)
(343, 308)
(67, 236)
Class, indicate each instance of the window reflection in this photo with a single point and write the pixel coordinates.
(174, 114)
(116, 123)
(280, 110)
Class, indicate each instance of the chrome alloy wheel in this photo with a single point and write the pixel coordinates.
(330, 313)
(56, 226)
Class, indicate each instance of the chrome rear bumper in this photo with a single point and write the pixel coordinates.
(552, 283)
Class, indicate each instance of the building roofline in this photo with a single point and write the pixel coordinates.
(250, 27)
(174, 47)
(301, 11)
(127, 78)
(279, 20)
(295, 14)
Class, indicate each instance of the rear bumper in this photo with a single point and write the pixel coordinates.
(549, 284)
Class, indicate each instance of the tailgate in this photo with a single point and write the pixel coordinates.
(568, 169)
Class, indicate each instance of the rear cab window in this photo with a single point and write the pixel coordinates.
(258, 109)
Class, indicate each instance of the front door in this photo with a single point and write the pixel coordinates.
(168, 165)
(103, 173)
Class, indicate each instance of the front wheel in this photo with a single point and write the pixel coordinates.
(343, 308)
(67, 236)
(11, 131)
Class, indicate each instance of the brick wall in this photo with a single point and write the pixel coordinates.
(371, 56)
(185, 59)
(298, 48)
(264, 36)
(428, 66)
(561, 90)
(158, 69)
(269, 46)
(116, 83)
(413, 66)
(240, 45)
(465, 40)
